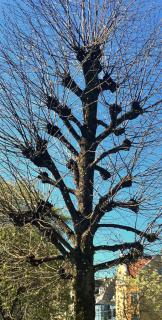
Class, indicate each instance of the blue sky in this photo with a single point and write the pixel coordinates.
(104, 236)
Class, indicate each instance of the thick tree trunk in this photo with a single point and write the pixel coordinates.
(84, 289)
(84, 283)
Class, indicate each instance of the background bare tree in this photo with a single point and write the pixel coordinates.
(30, 288)
(80, 102)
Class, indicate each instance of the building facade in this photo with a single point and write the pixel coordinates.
(105, 299)
(130, 303)
(119, 298)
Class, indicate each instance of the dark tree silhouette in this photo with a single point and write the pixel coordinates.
(79, 96)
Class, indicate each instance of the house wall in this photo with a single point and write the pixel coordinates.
(126, 290)
(121, 293)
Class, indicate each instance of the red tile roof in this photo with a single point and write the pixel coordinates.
(135, 267)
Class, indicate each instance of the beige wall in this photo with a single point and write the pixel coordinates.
(121, 294)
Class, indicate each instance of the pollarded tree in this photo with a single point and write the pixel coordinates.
(79, 109)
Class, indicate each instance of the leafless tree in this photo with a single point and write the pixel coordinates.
(80, 110)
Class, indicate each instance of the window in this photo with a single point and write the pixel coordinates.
(108, 316)
(101, 290)
(98, 312)
(97, 290)
(160, 270)
(135, 317)
(134, 298)
(103, 312)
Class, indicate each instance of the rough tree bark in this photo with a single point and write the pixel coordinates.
(84, 286)
(38, 112)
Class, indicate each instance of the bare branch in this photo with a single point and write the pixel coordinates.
(132, 204)
(37, 217)
(151, 237)
(54, 131)
(105, 174)
(105, 203)
(108, 83)
(69, 83)
(122, 246)
(130, 115)
(127, 258)
(43, 176)
(65, 114)
(37, 261)
(41, 158)
(125, 146)
(125, 182)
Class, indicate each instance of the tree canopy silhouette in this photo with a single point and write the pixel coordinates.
(80, 102)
